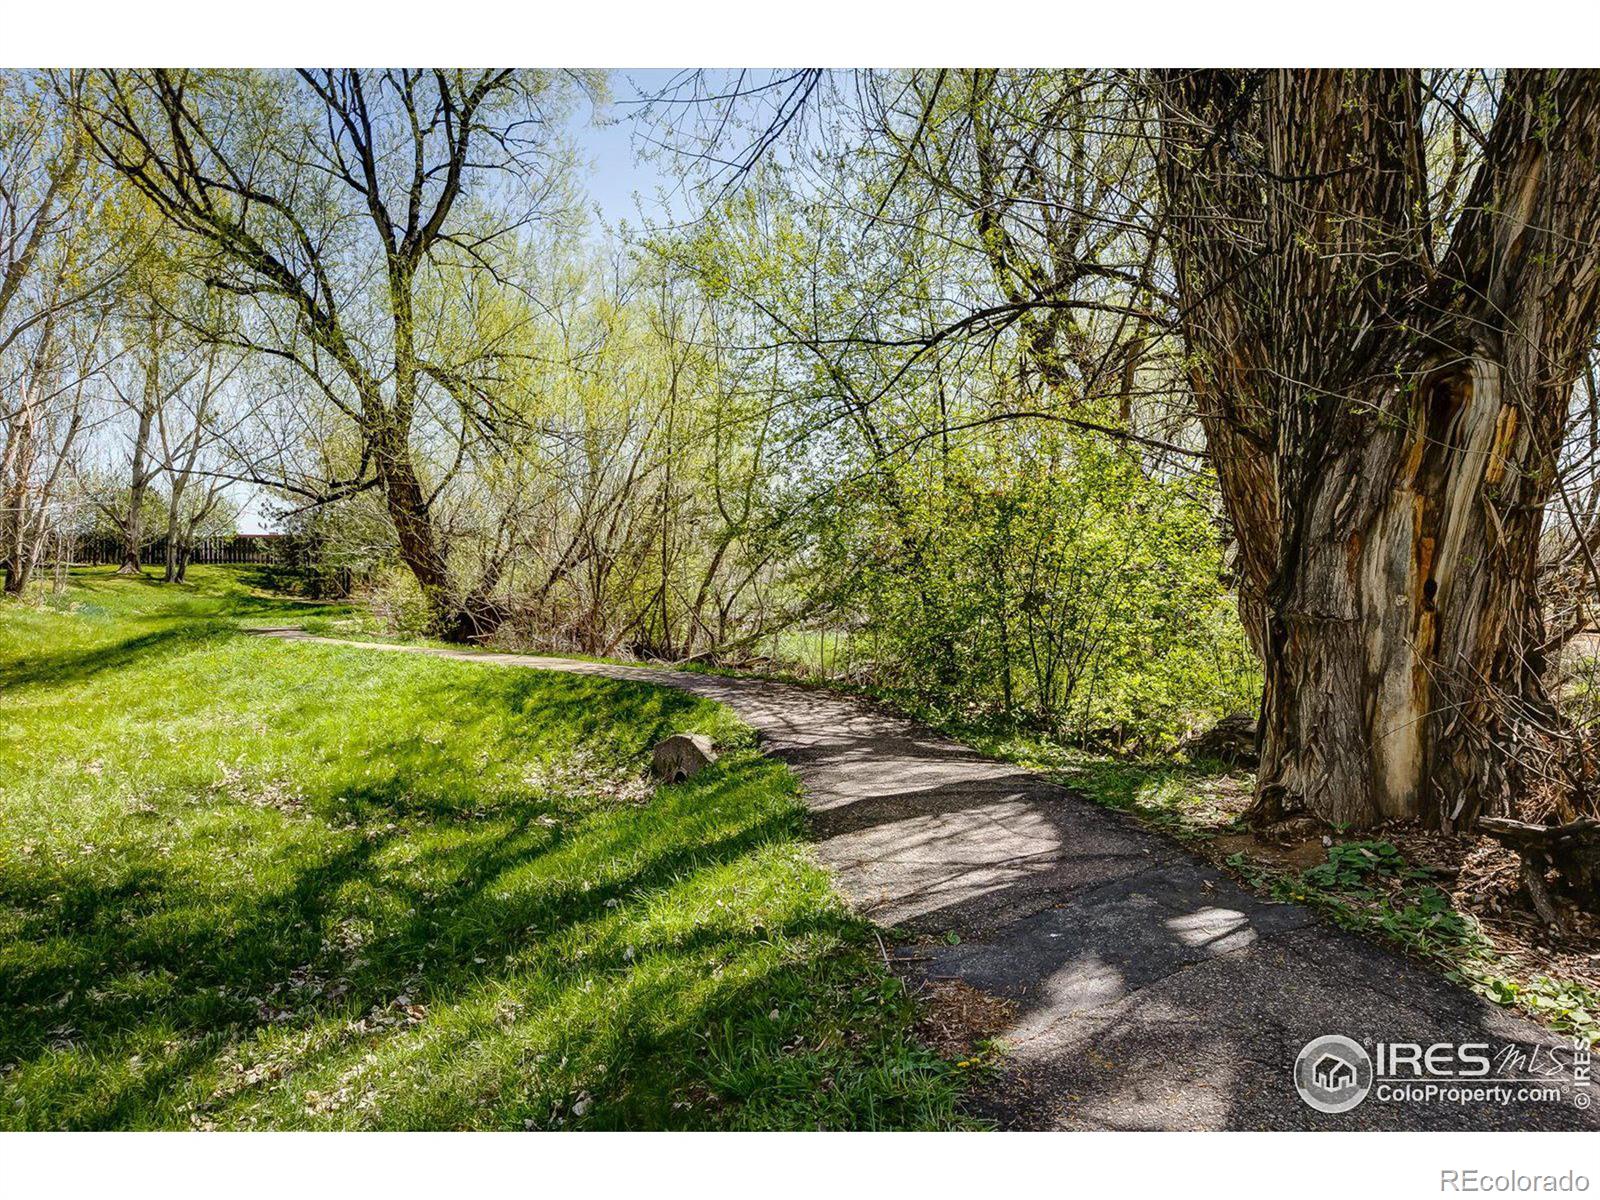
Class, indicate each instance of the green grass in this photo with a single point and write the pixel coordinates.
(1175, 797)
(245, 883)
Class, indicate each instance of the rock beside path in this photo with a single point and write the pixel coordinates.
(682, 756)
(1139, 987)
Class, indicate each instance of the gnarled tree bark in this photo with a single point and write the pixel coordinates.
(1383, 417)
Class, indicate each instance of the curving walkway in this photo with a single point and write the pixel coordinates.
(1151, 991)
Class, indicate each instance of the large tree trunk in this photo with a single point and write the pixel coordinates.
(455, 618)
(415, 534)
(1384, 425)
(1394, 648)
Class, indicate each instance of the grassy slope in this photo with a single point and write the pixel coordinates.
(1363, 885)
(244, 883)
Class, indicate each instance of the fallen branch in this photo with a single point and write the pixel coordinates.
(1572, 849)
(1549, 839)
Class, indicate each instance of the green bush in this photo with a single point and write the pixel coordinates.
(1060, 587)
(397, 603)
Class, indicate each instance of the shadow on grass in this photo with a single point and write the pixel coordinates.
(229, 968)
(185, 616)
(68, 667)
(224, 955)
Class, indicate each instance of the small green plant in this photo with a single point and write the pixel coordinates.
(1351, 864)
(1369, 887)
(1565, 1003)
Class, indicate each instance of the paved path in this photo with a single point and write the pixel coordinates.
(1151, 991)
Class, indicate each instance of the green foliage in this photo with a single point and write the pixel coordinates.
(116, 495)
(246, 884)
(397, 603)
(960, 537)
(1564, 1003)
(1369, 887)
(1350, 863)
(1054, 583)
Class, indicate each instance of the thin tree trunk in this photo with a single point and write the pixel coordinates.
(139, 482)
(177, 530)
(16, 466)
(170, 574)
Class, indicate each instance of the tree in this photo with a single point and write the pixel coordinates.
(1382, 345)
(181, 450)
(300, 190)
(41, 428)
(1383, 286)
(152, 388)
(59, 253)
(1044, 174)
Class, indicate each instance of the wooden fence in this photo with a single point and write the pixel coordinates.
(258, 548)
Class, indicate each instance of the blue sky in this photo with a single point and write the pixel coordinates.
(608, 137)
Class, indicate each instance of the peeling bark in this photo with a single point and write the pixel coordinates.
(1384, 428)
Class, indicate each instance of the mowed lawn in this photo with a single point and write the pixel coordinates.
(253, 884)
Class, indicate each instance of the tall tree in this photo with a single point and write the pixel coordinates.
(1383, 390)
(59, 254)
(188, 507)
(152, 387)
(303, 189)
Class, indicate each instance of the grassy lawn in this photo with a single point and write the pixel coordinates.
(251, 884)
